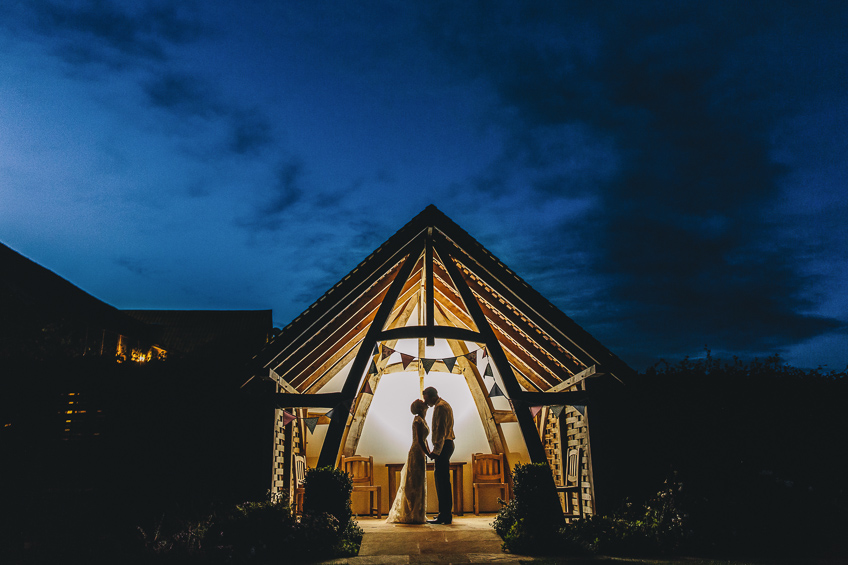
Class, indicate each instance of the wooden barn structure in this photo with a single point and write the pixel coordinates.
(432, 282)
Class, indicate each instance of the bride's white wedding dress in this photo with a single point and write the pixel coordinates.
(410, 502)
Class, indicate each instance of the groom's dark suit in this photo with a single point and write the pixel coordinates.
(443, 437)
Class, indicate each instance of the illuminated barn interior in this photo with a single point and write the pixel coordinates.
(433, 307)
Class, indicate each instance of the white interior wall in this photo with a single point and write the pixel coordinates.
(387, 432)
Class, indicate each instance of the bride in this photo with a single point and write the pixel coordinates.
(411, 499)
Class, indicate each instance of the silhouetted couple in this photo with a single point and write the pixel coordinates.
(410, 505)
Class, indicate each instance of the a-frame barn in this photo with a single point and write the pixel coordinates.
(433, 288)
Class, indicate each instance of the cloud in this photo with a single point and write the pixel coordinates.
(142, 34)
(181, 93)
(287, 191)
(680, 102)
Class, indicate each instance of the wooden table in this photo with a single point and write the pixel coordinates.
(456, 474)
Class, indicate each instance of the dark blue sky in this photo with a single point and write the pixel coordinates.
(671, 175)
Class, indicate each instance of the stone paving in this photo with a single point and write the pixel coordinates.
(470, 539)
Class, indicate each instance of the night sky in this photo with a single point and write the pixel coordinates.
(672, 175)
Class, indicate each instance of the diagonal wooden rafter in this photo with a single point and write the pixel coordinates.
(332, 442)
(525, 422)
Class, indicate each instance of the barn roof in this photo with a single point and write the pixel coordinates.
(544, 346)
(462, 293)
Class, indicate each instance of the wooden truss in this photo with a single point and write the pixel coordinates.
(463, 294)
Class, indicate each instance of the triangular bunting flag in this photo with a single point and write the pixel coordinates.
(373, 369)
(488, 372)
(330, 413)
(428, 364)
(472, 357)
(387, 352)
(287, 417)
(311, 423)
(535, 410)
(449, 363)
(406, 359)
(367, 388)
(485, 353)
(556, 411)
(496, 391)
(580, 408)
(376, 350)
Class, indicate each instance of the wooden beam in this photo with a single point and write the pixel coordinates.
(324, 346)
(580, 398)
(353, 433)
(428, 287)
(325, 400)
(337, 360)
(504, 416)
(332, 442)
(575, 379)
(525, 422)
(440, 332)
(494, 434)
(281, 381)
(323, 312)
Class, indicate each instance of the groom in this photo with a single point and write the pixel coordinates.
(442, 438)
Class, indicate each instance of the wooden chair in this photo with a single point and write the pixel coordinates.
(488, 471)
(573, 477)
(300, 479)
(361, 471)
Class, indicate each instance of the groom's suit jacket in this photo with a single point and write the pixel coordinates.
(442, 425)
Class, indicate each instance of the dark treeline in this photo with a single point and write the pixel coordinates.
(759, 449)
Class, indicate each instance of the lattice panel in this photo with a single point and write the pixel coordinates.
(575, 429)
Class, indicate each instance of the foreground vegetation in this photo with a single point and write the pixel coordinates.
(709, 458)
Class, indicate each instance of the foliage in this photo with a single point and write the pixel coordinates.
(657, 527)
(529, 523)
(328, 490)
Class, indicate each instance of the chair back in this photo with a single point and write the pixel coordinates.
(360, 469)
(300, 469)
(488, 468)
(572, 467)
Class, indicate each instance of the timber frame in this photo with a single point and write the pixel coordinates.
(463, 294)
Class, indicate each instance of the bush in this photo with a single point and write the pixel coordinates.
(530, 522)
(328, 490)
(655, 528)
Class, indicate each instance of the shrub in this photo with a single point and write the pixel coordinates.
(530, 522)
(328, 490)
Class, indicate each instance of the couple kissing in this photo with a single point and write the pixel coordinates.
(410, 504)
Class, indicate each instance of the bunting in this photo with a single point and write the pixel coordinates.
(367, 388)
(535, 410)
(311, 423)
(485, 353)
(580, 408)
(353, 408)
(287, 417)
(406, 359)
(556, 411)
(472, 356)
(496, 391)
(376, 350)
(449, 363)
(373, 369)
(330, 413)
(428, 364)
(387, 352)
(488, 372)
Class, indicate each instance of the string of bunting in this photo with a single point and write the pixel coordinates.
(427, 363)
